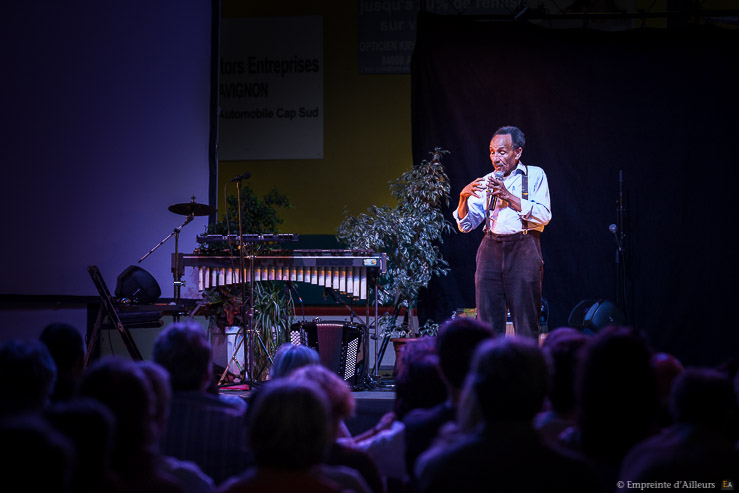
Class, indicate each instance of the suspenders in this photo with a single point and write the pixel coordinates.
(524, 195)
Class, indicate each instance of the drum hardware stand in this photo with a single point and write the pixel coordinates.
(247, 322)
(385, 340)
(338, 300)
(370, 379)
(190, 210)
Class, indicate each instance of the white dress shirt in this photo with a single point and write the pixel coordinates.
(504, 220)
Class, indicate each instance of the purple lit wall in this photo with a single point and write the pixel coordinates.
(105, 109)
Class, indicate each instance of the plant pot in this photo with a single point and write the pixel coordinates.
(398, 346)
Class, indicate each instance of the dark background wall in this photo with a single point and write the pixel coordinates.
(659, 106)
(106, 124)
(106, 119)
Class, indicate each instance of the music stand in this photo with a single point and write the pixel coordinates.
(108, 308)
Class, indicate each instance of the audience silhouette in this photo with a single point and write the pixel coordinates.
(700, 446)
(67, 349)
(471, 412)
(509, 379)
(122, 386)
(290, 357)
(455, 344)
(89, 426)
(27, 376)
(562, 348)
(289, 435)
(193, 479)
(418, 386)
(616, 400)
(36, 458)
(201, 427)
(341, 406)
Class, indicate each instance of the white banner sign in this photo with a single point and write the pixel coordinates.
(271, 89)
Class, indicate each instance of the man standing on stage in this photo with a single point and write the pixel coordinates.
(513, 202)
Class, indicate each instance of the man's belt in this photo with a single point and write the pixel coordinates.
(514, 236)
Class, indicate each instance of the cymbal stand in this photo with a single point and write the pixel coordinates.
(177, 282)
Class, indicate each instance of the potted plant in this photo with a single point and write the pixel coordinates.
(273, 307)
(409, 234)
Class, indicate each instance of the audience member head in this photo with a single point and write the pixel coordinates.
(159, 381)
(418, 384)
(509, 378)
(184, 351)
(666, 369)
(559, 332)
(124, 388)
(704, 397)
(339, 395)
(455, 344)
(562, 349)
(27, 376)
(67, 349)
(36, 458)
(288, 425)
(615, 393)
(290, 357)
(89, 425)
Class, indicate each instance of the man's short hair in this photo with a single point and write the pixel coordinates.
(184, 351)
(703, 396)
(27, 376)
(509, 376)
(518, 139)
(456, 343)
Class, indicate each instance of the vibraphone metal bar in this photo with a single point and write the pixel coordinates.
(342, 270)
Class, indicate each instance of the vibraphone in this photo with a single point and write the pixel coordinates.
(345, 271)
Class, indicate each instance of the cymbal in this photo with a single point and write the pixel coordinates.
(192, 209)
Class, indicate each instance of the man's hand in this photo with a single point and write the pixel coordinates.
(497, 188)
(473, 189)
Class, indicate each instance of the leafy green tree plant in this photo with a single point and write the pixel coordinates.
(409, 234)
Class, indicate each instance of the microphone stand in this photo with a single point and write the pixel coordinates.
(250, 377)
(247, 322)
(620, 254)
(290, 287)
(352, 313)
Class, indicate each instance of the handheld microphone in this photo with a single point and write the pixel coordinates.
(498, 175)
(612, 228)
(242, 176)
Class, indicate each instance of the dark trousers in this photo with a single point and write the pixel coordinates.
(508, 276)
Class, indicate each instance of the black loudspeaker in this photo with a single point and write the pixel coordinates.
(339, 344)
(591, 316)
(137, 286)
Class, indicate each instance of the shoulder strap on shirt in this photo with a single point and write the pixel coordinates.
(525, 193)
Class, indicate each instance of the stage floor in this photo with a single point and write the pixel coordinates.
(371, 405)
